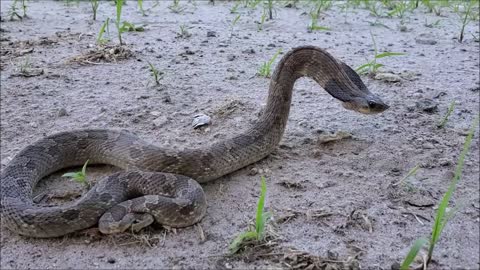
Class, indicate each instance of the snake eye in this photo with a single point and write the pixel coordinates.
(372, 104)
(376, 106)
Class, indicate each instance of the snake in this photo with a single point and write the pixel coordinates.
(157, 184)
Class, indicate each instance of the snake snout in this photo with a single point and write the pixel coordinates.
(377, 105)
(366, 105)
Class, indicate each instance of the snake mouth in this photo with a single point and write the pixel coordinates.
(371, 105)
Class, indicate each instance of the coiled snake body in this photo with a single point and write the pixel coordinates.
(158, 183)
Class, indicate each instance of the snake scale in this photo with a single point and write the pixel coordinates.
(157, 184)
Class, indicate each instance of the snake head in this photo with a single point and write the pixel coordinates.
(370, 104)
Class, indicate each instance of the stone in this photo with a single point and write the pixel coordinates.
(427, 105)
(388, 77)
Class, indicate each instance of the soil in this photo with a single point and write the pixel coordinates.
(336, 197)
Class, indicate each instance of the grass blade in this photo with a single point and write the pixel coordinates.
(417, 245)
(362, 67)
(441, 219)
(386, 54)
(240, 239)
(260, 219)
(100, 38)
(445, 118)
(84, 168)
(413, 171)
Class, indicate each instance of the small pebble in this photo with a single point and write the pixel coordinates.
(62, 112)
(211, 34)
(427, 105)
(155, 113)
(200, 120)
(445, 162)
(388, 77)
(425, 39)
(111, 260)
(249, 51)
(160, 121)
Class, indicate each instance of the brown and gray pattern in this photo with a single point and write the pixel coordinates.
(158, 184)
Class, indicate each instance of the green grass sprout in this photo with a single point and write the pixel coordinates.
(258, 233)
(412, 254)
(412, 172)
(445, 118)
(80, 176)
(314, 23)
(372, 66)
(100, 39)
(13, 10)
(443, 216)
(157, 75)
(119, 5)
(266, 67)
(140, 7)
(184, 32)
(466, 18)
(175, 7)
(94, 4)
(130, 27)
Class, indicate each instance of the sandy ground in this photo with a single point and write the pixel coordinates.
(335, 200)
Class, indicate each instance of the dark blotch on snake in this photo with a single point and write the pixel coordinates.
(133, 175)
(187, 209)
(29, 219)
(168, 161)
(32, 151)
(71, 214)
(105, 197)
(31, 165)
(21, 182)
(82, 144)
(118, 212)
(65, 138)
(243, 139)
(99, 135)
(135, 153)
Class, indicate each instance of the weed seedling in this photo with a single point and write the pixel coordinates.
(94, 4)
(140, 7)
(373, 8)
(262, 21)
(258, 233)
(234, 22)
(13, 10)
(466, 18)
(234, 9)
(119, 5)
(435, 6)
(130, 27)
(80, 176)
(100, 39)
(266, 67)
(412, 172)
(157, 75)
(175, 7)
(445, 118)
(442, 216)
(26, 66)
(313, 24)
(372, 66)
(321, 5)
(184, 32)
(269, 6)
(399, 8)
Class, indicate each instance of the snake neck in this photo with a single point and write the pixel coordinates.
(306, 61)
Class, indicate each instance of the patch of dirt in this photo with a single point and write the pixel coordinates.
(109, 53)
(333, 182)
